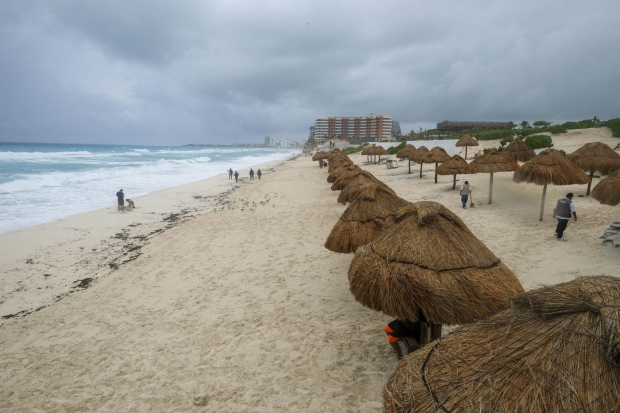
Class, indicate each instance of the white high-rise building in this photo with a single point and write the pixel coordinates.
(269, 140)
(377, 127)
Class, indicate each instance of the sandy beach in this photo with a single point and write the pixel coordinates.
(220, 297)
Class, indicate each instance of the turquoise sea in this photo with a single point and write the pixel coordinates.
(44, 182)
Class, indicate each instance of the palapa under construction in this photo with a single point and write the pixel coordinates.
(595, 156)
(428, 262)
(455, 166)
(466, 141)
(368, 214)
(350, 191)
(608, 190)
(556, 349)
(518, 151)
(491, 162)
(549, 167)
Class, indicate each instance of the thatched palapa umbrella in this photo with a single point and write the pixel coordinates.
(456, 165)
(518, 151)
(549, 167)
(555, 350)
(368, 214)
(595, 156)
(416, 156)
(338, 171)
(405, 153)
(608, 190)
(350, 191)
(436, 155)
(491, 162)
(466, 141)
(428, 265)
(378, 151)
(346, 176)
(319, 156)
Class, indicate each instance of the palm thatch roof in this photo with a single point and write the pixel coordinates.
(467, 140)
(518, 151)
(366, 150)
(349, 192)
(320, 155)
(336, 172)
(406, 151)
(368, 214)
(608, 190)
(345, 177)
(549, 167)
(595, 156)
(491, 162)
(417, 155)
(337, 161)
(428, 264)
(379, 150)
(554, 350)
(455, 166)
(435, 155)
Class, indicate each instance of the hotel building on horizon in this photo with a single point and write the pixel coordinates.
(377, 127)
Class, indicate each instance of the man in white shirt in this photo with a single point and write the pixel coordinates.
(465, 191)
(563, 210)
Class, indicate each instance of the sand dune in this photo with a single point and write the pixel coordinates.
(239, 307)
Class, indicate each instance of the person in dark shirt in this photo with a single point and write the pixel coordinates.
(121, 199)
(230, 173)
(251, 173)
(259, 173)
(236, 176)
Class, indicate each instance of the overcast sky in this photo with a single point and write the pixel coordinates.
(175, 72)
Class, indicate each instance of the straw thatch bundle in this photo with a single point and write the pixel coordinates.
(338, 171)
(417, 155)
(349, 192)
(555, 350)
(337, 161)
(549, 167)
(436, 155)
(429, 264)
(518, 151)
(595, 156)
(456, 165)
(608, 190)
(491, 162)
(378, 151)
(466, 141)
(319, 156)
(368, 214)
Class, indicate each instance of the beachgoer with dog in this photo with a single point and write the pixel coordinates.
(121, 200)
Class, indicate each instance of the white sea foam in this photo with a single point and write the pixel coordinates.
(28, 198)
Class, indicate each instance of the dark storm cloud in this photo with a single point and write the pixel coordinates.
(224, 71)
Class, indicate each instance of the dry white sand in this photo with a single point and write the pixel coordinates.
(241, 308)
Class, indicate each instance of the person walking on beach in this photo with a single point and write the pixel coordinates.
(121, 200)
(563, 209)
(259, 173)
(251, 173)
(230, 173)
(236, 176)
(465, 191)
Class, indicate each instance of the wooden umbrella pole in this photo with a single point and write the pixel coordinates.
(454, 182)
(590, 183)
(409, 161)
(421, 163)
(542, 204)
(491, 189)
(465, 152)
(435, 172)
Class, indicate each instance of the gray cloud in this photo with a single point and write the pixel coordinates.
(156, 72)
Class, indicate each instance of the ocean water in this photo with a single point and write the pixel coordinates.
(44, 182)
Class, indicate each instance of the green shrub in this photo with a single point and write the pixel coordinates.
(506, 141)
(354, 149)
(394, 149)
(539, 141)
(491, 134)
(614, 125)
(556, 129)
(562, 151)
(582, 124)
